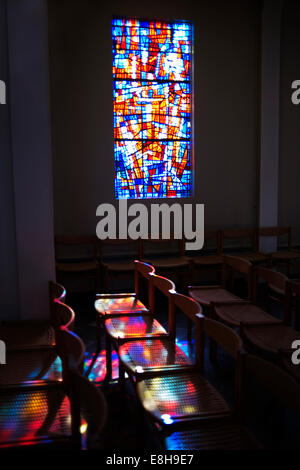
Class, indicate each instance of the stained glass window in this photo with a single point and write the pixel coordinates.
(152, 108)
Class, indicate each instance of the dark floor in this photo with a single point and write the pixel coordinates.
(273, 427)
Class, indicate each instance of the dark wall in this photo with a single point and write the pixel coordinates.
(8, 265)
(289, 175)
(225, 112)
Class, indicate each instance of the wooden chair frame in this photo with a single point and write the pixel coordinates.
(231, 342)
(166, 287)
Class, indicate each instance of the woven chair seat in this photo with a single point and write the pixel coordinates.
(271, 338)
(140, 325)
(26, 334)
(23, 366)
(207, 260)
(283, 255)
(76, 267)
(152, 353)
(207, 296)
(169, 262)
(235, 314)
(217, 435)
(181, 396)
(33, 415)
(109, 306)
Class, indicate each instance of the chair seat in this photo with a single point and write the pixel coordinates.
(181, 396)
(23, 366)
(140, 325)
(35, 414)
(216, 435)
(206, 296)
(109, 306)
(152, 353)
(285, 255)
(271, 338)
(76, 267)
(207, 260)
(119, 266)
(235, 314)
(169, 262)
(26, 334)
(254, 256)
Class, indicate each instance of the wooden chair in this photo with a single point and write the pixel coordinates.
(37, 413)
(210, 257)
(29, 357)
(282, 257)
(268, 338)
(138, 355)
(120, 262)
(277, 382)
(124, 304)
(57, 292)
(87, 401)
(168, 259)
(206, 295)
(248, 312)
(248, 236)
(61, 315)
(81, 259)
(136, 327)
(179, 400)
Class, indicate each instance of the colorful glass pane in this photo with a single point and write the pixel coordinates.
(152, 108)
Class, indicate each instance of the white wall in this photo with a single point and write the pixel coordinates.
(27, 261)
(225, 97)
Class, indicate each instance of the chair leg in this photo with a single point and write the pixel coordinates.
(189, 334)
(140, 444)
(108, 347)
(121, 380)
(96, 353)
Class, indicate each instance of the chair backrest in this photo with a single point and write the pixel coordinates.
(226, 337)
(237, 265)
(62, 315)
(280, 384)
(214, 235)
(71, 351)
(142, 270)
(89, 403)
(240, 234)
(277, 232)
(274, 280)
(57, 292)
(193, 311)
(164, 244)
(78, 243)
(166, 287)
(126, 248)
